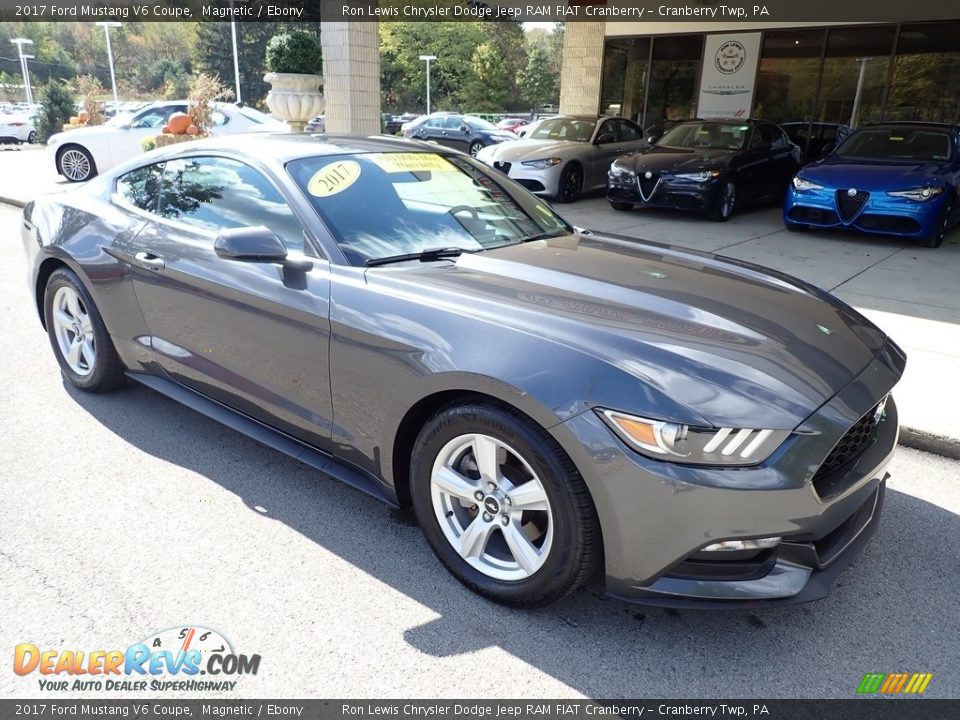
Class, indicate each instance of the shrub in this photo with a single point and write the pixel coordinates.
(206, 90)
(57, 105)
(90, 91)
(293, 52)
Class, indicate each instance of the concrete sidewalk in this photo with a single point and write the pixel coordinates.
(912, 293)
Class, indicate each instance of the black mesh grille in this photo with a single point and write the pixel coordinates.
(800, 213)
(854, 442)
(648, 185)
(849, 205)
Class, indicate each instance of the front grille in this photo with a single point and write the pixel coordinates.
(648, 185)
(503, 167)
(849, 205)
(852, 444)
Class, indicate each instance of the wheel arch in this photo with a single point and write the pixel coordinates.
(68, 145)
(46, 269)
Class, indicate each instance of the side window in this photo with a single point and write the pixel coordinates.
(608, 128)
(213, 193)
(140, 187)
(436, 122)
(628, 131)
(453, 123)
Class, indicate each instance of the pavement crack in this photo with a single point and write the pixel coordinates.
(869, 267)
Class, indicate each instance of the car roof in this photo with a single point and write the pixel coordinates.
(913, 123)
(284, 147)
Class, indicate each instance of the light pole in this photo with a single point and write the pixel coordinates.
(856, 99)
(106, 31)
(428, 58)
(20, 42)
(236, 61)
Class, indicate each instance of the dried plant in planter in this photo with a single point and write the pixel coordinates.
(91, 91)
(206, 90)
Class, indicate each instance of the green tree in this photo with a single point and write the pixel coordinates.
(538, 81)
(57, 105)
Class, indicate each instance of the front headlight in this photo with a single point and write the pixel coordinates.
(617, 171)
(542, 163)
(701, 176)
(921, 194)
(801, 184)
(696, 446)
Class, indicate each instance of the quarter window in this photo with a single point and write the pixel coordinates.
(212, 193)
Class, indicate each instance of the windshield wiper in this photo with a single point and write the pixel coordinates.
(545, 235)
(423, 256)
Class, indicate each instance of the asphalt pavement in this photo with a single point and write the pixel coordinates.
(125, 514)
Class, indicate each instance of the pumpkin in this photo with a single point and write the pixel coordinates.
(74, 120)
(83, 117)
(179, 122)
(193, 130)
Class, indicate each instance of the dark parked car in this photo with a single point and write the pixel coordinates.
(460, 132)
(899, 179)
(816, 139)
(422, 328)
(657, 130)
(708, 166)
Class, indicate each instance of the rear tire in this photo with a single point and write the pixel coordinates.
(80, 341)
(621, 206)
(524, 539)
(936, 237)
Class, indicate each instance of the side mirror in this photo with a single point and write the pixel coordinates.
(250, 244)
(652, 139)
(463, 128)
(605, 139)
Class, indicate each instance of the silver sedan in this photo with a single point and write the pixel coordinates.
(566, 155)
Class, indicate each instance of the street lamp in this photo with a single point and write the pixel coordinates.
(20, 42)
(106, 31)
(236, 61)
(428, 58)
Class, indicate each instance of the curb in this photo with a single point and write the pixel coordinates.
(930, 442)
(916, 439)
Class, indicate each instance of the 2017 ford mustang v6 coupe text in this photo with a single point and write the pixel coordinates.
(551, 402)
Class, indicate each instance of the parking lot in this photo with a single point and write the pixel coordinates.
(127, 514)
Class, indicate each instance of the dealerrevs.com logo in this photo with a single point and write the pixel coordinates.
(170, 660)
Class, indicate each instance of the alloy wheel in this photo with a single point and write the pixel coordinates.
(475, 148)
(73, 330)
(571, 182)
(491, 506)
(728, 199)
(75, 165)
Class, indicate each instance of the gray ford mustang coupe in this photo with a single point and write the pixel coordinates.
(551, 402)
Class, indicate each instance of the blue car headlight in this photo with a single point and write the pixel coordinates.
(802, 184)
(680, 443)
(543, 163)
(918, 194)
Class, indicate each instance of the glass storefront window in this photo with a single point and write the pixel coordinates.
(674, 78)
(787, 76)
(926, 80)
(855, 74)
(624, 77)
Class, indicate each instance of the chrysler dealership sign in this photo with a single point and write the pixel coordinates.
(729, 70)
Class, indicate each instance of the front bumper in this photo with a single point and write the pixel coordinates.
(663, 191)
(539, 181)
(656, 517)
(879, 213)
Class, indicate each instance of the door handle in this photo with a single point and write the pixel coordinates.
(150, 261)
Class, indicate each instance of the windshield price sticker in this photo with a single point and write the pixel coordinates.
(333, 178)
(412, 162)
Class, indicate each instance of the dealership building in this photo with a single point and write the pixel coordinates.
(807, 72)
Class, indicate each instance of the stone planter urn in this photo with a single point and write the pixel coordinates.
(294, 97)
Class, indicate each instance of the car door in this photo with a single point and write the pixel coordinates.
(125, 142)
(784, 159)
(251, 335)
(455, 134)
(754, 175)
(606, 147)
(432, 129)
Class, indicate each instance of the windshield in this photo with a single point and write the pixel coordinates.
(255, 115)
(381, 205)
(570, 129)
(901, 143)
(478, 123)
(119, 119)
(708, 135)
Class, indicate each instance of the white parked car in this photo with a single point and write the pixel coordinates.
(82, 153)
(17, 128)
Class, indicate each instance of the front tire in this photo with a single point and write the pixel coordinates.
(621, 206)
(725, 202)
(502, 506)
(937, 235)
(80, 341)
(571, 183)
(76, 164)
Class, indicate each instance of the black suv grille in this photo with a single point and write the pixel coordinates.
(849, 205)
(648, 185)
(854, 442)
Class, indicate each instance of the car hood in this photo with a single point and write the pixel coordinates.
(83, 132)
(673, 160)
(520, 150)
(839, 172)
(730, 343)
